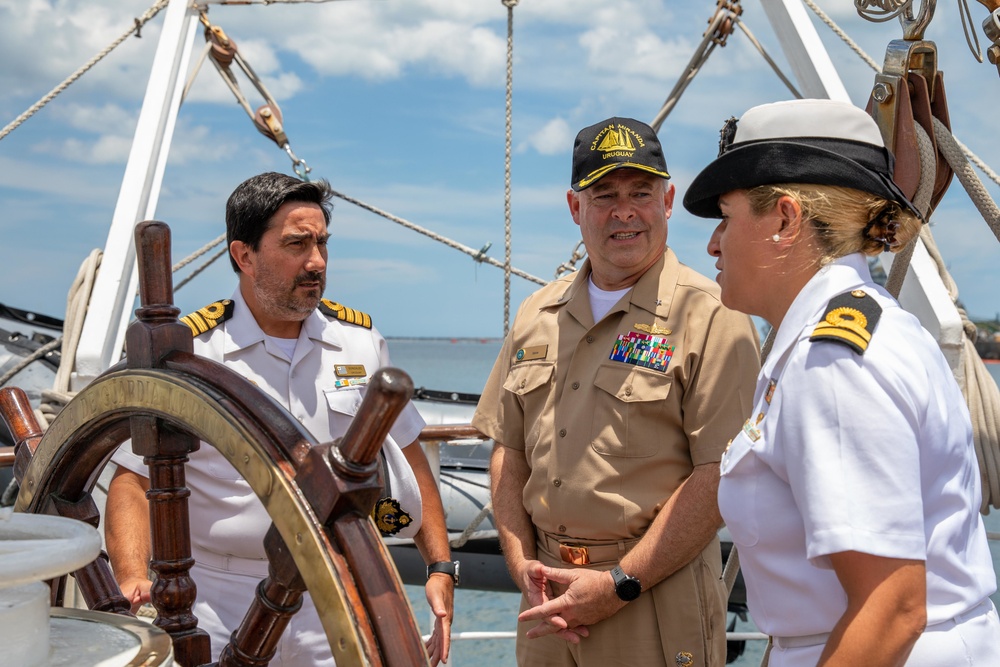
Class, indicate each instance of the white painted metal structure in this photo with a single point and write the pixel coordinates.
(111, 307)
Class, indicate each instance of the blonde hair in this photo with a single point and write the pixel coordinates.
(845, 220)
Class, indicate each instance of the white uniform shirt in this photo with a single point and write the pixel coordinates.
(870, 453)
(226, 516)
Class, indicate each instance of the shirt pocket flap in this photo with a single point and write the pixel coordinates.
(522, 379)
(345, 401)
(632, 385)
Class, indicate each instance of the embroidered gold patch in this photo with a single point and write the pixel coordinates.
(684, 659)
(389, 517)
(209, 317)
(654, 329)
(345, 314)
(850, 319)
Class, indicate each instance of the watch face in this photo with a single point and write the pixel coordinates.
(629, 589)
(626, 588)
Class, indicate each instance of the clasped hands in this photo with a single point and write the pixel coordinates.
(587, 597)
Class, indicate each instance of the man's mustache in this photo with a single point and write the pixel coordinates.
(312, 277)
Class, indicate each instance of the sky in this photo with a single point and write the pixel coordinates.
(401, 104)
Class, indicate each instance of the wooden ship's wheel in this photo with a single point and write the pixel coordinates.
(319, 496)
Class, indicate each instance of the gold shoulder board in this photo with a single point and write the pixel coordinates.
(349, 315)
(209, 317)
(850, 319)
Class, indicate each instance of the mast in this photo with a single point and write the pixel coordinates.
(114, 289)
(923, 294)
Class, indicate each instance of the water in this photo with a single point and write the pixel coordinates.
(463, 365)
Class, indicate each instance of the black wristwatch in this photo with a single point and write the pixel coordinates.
(627, 588)
(451, 568)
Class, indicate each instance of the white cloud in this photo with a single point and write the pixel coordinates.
(553, 138)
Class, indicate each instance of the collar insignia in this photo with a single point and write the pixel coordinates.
(769, 394)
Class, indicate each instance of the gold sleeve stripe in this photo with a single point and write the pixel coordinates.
(845, 334)
(196, 323)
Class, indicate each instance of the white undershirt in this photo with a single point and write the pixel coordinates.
(601, 300)
(286, 345)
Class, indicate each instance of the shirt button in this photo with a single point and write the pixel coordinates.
(562, 529)
(523, 382)
(562, 432)
(576, 385)
(628, 391)
(557, 482)
(590, 339)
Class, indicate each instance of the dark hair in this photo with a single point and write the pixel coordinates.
(255, 201)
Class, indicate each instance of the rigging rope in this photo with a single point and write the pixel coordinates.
(980, 391)
(139, 22)
(770, 61)
(194, 273)
(509, 4)
(475, 254)
(196, 254)
(701, 54)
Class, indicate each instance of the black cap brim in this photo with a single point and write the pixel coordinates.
(833, 162)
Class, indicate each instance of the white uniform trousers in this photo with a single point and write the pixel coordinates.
(971, 639)
(224, 596)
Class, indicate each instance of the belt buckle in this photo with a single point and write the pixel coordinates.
(574, 554)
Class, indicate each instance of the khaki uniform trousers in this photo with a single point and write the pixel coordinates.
(680, 622)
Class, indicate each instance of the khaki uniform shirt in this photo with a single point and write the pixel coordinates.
(608, 441)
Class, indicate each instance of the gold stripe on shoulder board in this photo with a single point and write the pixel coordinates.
(345, 314)
(209, 317)
(850, 319)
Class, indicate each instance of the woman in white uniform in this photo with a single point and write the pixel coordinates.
(852, 491)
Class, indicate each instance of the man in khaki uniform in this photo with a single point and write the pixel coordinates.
(611, 403)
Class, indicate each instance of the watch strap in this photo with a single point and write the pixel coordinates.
(451, 568)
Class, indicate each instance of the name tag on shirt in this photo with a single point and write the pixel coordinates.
(644, 350)
(531, 353)
(350, 370)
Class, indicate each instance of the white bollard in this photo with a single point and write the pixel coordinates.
(33, 548)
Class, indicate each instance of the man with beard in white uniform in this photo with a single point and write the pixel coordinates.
(314, 357)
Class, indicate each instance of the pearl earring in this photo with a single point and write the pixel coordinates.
(776, 238)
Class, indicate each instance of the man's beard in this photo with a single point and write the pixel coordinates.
(284, 303)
